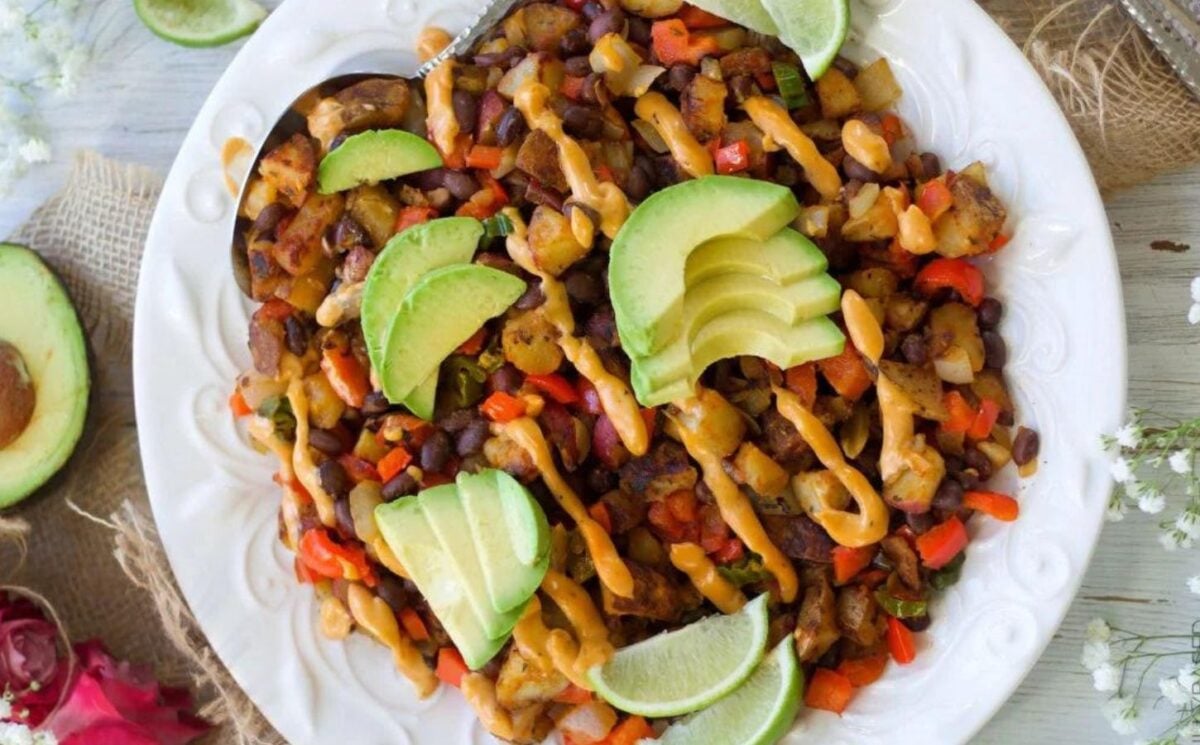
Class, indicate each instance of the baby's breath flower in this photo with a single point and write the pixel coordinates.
(1181, 461)
(1121, 713)
(1188, 523)
(1195, 288)
(12, 733)
(1151, 500)
(1129, 435)
(1194, 314)
(12, 17)
(1116, 509)
(1097, 630)
(35, 150)
(1188, 676)
(1107, 678)
(1171, 540)
(1173, 692)
(1095, 655)
(1122, 472)
(1193, 584)
(5, 708)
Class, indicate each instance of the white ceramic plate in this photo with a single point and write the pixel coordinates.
(968, 95)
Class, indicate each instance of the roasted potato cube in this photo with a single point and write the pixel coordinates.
(990, 384)
(703, 107)
(759, 471)
(371, 104)
(530, 343)
(652, 8)
(260, 193)
(972, 223)
(553, 244)
(874, 282)
(546, 24)
(904, 312)
(265, 273)
(521, 683)
(878, 222)
(748, 61)
(375, 209)
(921, 384)
(877, 86)
(325, 406)
(954, 325)
(538, 157)
(298, 249)
(837, 94)
(291, 168)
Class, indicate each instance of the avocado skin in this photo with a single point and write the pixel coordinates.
(21, 477)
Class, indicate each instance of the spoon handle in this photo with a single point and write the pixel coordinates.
(1166, 23)
(492, 13)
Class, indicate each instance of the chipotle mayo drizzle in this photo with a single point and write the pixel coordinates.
(480, 693)
(302, 462)
(666, 119)
(593, 648)
(531, 634)
(616, 398)
(263, 431)
(439, 92)
(377, 618)
(692, 561)
(431, 41)
(735, 506)
(776, 123)
(609, 566)
(606, 199)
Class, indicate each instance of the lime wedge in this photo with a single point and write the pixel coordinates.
(748, 13)
(758, 713)
(200, 23)
(685, 670)
(814, 29)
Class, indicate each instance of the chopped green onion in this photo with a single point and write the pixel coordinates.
(746, 571)
(791, 85)
(899, 607)
(278, 409)
(497, 226)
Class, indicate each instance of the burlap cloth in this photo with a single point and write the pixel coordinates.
(92, 549)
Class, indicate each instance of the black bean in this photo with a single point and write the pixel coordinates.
(462, 185)
(931, 165)
(574, 42)
(507, 379)
(600, 480)
(511, 126)
(345, 520)
(540, 194)
(470, 440)
(466, 111)
(601, 328)
(639, 184)
(856, 170)
(639, 31)
(742, 87)
(995, 350)
(400, 485)
(375, 404)
(919, 522)
(532, 298)
(591, 10)
(609, 22)
(680, 76)
(435, 452)
(917, 623)
(392, 592)
(334, 478)
(348, 234)
(990, 312)
(1005, 418)
(456, 421)
(503, 59)
(914, 350)
(590, 92)
(968, 479)
(296, 334)
(583, 287)
(949, 495)
(429, 180)
(848, 68)
(1025, 446)
(579, 67)
(326, 442)
(978, 461)
(582, 121)
(268, 219)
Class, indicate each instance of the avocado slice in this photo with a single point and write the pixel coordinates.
(411, 537)
(784, 257)
(791, 303)
(404, 260)
(438, 314)
(511, 533)
(44, 377)
(374, 156)
(672, 374)
(443, 508)
(647, 264)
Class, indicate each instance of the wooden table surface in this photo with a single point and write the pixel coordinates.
(142, 93)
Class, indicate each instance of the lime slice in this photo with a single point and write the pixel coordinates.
(200, 23)
(814, 29)
(748, 13)
(685, 670)
(758, 713)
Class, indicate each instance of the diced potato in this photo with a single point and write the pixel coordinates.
(748, 61)
(874, 282)
(919, 383)
(817, 491)
(530, 343)
(259, 194)
(837, 94)
(652, 8)
(372, 104)
(814, 221)
(877, 86)
(703, 107)
(823, 129)
(298, 249)
(904, 312)
(999, 455)
(757, 470)
(553, 244)
(527, 69)
(617, 61)
(955, 325)
(325, 406)
(291, 169)
(501, 452)
(538, 157)
(521, 683)
(266, 275)
(972, 223)
(376, 210)
(877, 223)
(308, 291)
(990, 384)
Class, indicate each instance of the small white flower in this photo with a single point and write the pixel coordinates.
(1107, 678)
(1193, 584)
(1188, 523)
(1194, 314)
(35, 150)
(1173, 692)
(1095, 655)
(1169, 540)
(1116, 510)
(1129, 435)
(71, 71)
(44, 738)
(1196, 290)
(1097, 631)
(12, 17)
(1181, 461)
(5, 708)
(1188, 676)
(1151, 501)
(12, 733)
(1122, 473)
(1121, 713)
(1191, 729)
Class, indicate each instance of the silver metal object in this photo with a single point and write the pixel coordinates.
(492, 13)
(1162, 20)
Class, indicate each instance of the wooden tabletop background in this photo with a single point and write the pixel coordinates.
(141, 94)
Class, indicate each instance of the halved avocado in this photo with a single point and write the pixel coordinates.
(44, 375)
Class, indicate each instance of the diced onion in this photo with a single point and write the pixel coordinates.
(954, 366)
(650, 135)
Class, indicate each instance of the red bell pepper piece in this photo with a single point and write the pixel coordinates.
(848, 562)
(828, 690)
(694, 17)
(451, 668)
(733, 158)
(502, 407)
(238, 405)
(412, 216)
(935, 198)
(346, 375)
(393, 463)
(802, 380)
(573, 695)
(413, 625)
(572, 87)
(962, 416)
(863, 671)
(485, 157)
(984, 420)
(732, 551)
(629, 732)
(941, 543)
(683, 506)
(599, 513)
(846, 373)
(323, 556)
(673, 43)
(900, 641)
(358, 469)
(1000, 506)
(957, 274)
(556, 387)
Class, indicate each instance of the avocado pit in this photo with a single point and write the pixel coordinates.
(17, 396)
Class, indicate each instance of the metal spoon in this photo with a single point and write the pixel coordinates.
(351, 72)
